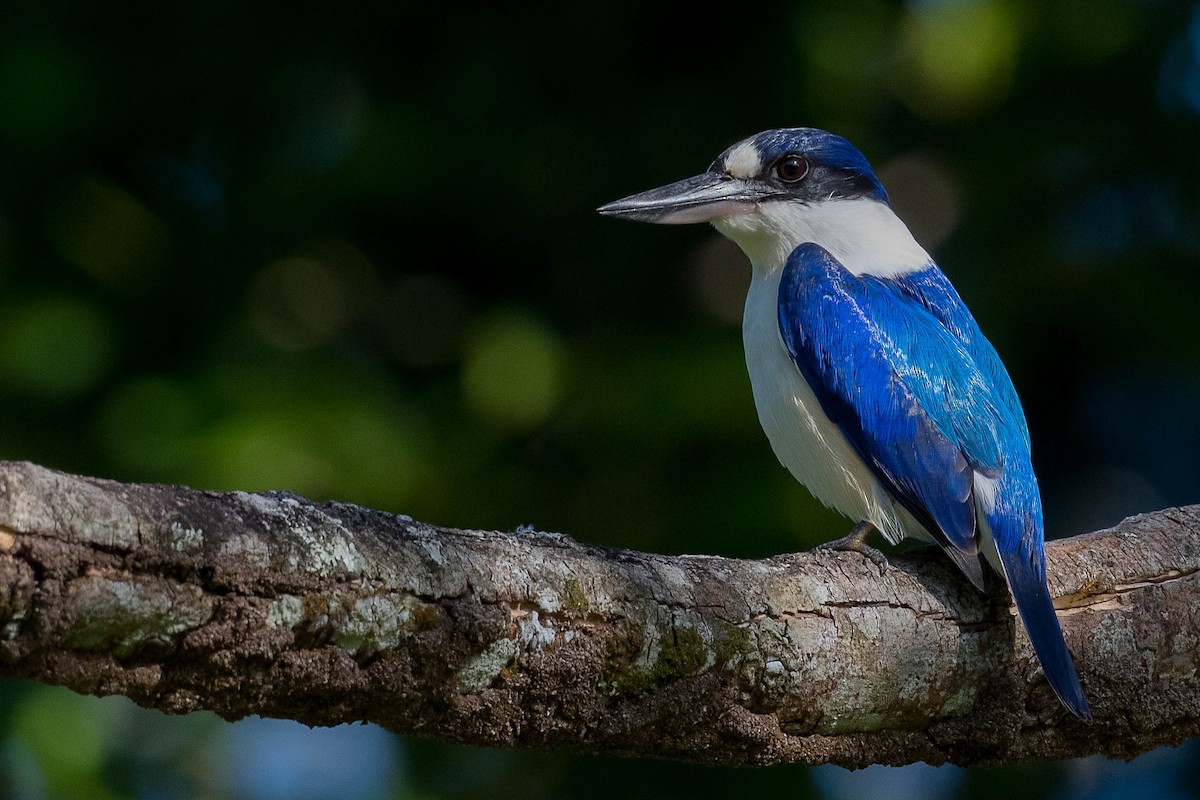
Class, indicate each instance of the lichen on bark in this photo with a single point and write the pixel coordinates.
(327, 613)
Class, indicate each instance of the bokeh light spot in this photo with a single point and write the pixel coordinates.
(958, 57)
(1179, 75)
(847, 50)
(68, 764)
(297, 303)
(925, 195)
(276, 759)
(322, 432)
(845, 40)
(109, 234)
(146, 422)
(512, 377)
(60, 346)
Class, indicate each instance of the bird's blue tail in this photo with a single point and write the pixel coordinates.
(1028, 587)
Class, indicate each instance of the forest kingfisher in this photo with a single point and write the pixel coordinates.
(872, 380)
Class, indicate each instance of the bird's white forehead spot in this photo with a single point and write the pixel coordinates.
(743, 161)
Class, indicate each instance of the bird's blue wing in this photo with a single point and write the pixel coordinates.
(935, 294)
(901, 367)
(907, 392)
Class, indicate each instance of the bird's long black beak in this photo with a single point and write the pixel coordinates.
(704, 198)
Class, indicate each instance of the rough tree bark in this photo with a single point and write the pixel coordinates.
(326, 613)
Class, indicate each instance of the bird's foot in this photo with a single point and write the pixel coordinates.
(856, 542)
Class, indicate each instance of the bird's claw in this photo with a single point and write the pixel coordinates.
(855, 542)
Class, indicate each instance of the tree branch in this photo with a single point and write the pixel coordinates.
(326, 613)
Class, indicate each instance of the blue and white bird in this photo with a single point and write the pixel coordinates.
(872, 380)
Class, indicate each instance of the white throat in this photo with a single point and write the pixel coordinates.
(864, 235)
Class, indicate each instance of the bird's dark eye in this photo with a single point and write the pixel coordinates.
(791, 168)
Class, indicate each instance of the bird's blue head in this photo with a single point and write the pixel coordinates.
(798, 165)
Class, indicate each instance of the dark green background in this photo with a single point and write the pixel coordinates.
(350, 250)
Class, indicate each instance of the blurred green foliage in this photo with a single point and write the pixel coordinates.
(349, 250)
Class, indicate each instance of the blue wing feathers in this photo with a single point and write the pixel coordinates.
(902, 368)
(891, 377)
(937, 296)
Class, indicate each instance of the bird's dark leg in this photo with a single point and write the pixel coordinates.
(856, 541)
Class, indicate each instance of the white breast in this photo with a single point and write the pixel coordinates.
(866, 238)
(804, 440)
(812, 448)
